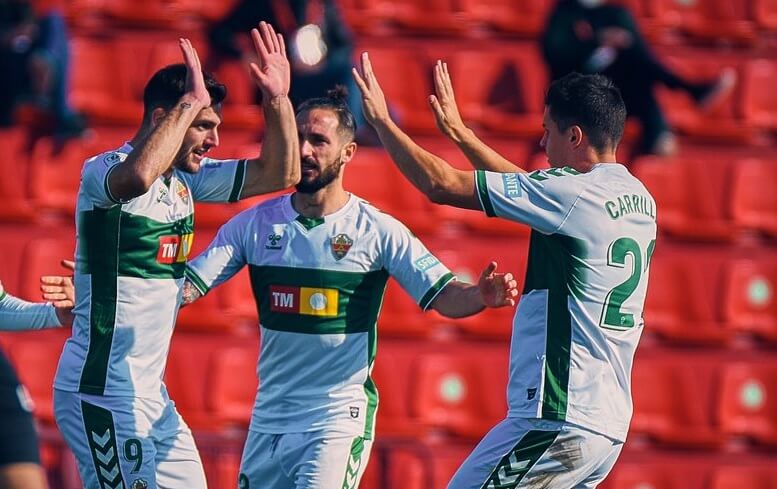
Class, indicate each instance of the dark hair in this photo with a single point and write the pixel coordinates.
(335, 100)
(592, 102)
(168, 85)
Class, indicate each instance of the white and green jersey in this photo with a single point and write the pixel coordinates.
(130, 262)
(579, 319)
(318, 285)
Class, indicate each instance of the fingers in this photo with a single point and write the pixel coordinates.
(360, 82)
(282, 44)
(69, 264)
(261, 49)
(57, 280)
(438, 112)
(367, 68)
(270, 40)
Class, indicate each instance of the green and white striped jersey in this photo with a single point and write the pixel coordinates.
(579, 319)
(318, 285)
(130, 262)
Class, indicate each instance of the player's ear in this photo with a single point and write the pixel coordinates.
(157, 115)
(575, 135)
(348, 152)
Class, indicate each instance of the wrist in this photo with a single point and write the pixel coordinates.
(460, 134)
(271, 101)
(189, 100)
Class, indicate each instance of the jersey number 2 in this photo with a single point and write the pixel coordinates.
(612, 316)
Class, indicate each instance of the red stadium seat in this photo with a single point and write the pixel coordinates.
(709, 20)
(56, 175)
(720, 122)
(423, 466)
(94, 89)
(765, 13)
(462, 391)
(692, 193)
(35, 356)
(367, 16)
(16, 205)
(667, 472)
(752, 477)
(507, 96)
(413, 15)
(178, 14)
(189, 369)
(685, 292)
(233, 384)
(759, 101)
(754, 201)
(750, 301)
(13, 240)
(42, 256)
(673, 400)
(522, 18)
(406, 79)
(392, 372)
(401, 317)
(748, 404)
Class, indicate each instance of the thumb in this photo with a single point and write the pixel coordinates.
(69, 264)
(488, 270)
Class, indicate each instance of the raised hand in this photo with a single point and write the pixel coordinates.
(373, 100)
(59, 290)
(446, 112)
(272, 73)
(497, 289)
(195, 81)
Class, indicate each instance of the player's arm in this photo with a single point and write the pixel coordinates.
(450, 123)
(154, 155)
(277, 167)
(18, 315)
(222, 259)
(459, 299)
(433, 176)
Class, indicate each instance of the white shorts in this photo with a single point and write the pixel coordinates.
(314, 460)
(530, 453)
(126, 442)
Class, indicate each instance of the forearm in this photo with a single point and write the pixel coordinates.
(481, 155)
(459, 300)
(154, 155)
(20, 315)
(277, 166)
(428, 173)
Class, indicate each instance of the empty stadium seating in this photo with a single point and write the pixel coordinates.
(751, 305)
(754, 199)
(748, 406)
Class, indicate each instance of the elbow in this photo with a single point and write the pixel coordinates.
(437, 194)
(292, 176)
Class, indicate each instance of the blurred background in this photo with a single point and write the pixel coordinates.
(701, 77)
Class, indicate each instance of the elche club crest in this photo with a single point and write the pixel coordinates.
(340, 245)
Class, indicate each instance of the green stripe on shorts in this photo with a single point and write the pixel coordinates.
(514, 466)
(354, 463)
(101, 434)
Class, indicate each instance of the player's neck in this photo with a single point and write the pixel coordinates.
(328, 200)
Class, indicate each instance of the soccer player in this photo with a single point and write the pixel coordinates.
(579, 319)
(134, 234)
(19, 457)
(319, 260)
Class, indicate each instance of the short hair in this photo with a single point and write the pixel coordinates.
(592, 102)
(335, 100)
(168, 85)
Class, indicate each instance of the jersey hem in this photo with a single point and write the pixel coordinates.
(239, 183)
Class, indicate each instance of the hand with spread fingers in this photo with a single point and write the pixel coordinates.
(272, 73)
(497, 289)
(195, 81)
(446, 111)
(373, 100)
(59, 290)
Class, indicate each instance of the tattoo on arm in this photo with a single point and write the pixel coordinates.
(186, 105)
(190, 293)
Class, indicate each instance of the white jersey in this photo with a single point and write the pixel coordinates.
(579, 319)
(318, 285)
(130, 262)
